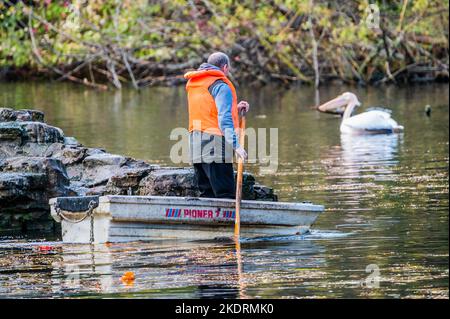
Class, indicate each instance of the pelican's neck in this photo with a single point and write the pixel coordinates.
(349, 110)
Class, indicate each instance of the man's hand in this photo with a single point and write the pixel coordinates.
(243, 105)
(241, 153)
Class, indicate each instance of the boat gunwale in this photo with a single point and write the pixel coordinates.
(227, 203)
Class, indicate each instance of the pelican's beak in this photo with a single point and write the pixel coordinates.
(334, 106)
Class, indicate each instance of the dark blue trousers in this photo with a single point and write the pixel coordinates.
(215, 180)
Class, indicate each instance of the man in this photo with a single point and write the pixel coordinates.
(213, 120)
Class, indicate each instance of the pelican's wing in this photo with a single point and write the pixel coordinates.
(374, 120)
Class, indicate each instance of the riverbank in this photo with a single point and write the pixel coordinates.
(131, 43)
(412, 76)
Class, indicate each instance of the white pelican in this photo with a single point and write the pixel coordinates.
(374, 121)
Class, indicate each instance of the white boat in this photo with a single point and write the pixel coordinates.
(115, 218)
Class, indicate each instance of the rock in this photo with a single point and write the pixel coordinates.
(169, 182)
(94, 151)
(103, 159)
(77, 188)
(55, 172)
(73, 158)
(23, 192)
(21, 181)
(8, 115)
(96, 190)
(99, 168)
(75, 172)
(71, 141)
(37, 132)
(68, 155)
(264, 193)
(11, 132)
(36, 116)
(248, 181)
(127, 181)
(27, 184)
(33, 132)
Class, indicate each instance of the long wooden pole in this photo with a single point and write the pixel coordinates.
(240, 171)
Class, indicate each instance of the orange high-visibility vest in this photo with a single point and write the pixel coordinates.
(203, 114)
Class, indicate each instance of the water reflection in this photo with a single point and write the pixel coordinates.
(357, 168)
(370, 149)
(364, 156)
(82, 268)
(192, 269)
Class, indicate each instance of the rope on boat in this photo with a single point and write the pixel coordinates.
(89, 213)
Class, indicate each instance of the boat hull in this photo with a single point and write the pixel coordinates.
(130, 218)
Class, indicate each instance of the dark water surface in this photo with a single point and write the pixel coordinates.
(386, 199)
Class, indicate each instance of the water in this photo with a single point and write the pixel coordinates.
(386, 199)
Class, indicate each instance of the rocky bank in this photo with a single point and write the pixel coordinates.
(38, 162)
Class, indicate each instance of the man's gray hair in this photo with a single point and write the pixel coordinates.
(219, 59)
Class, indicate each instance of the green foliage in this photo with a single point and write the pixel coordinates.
(175, 31)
